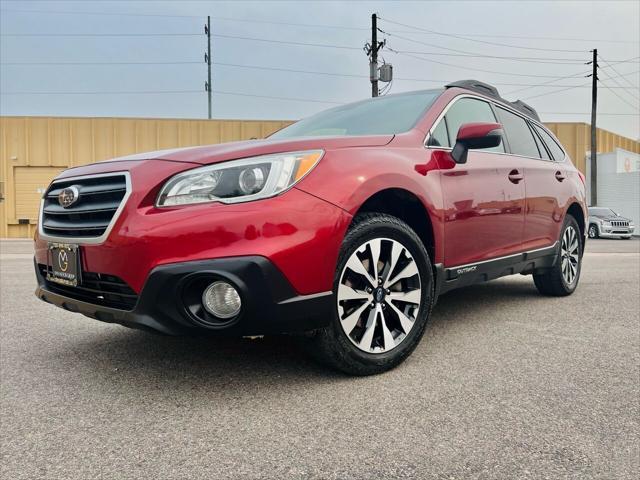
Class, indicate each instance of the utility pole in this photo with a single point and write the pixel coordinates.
(373, 63)
(371, 49)
(207, 57)
(594, 137)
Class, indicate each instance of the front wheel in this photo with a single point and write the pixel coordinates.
(593, 231)
(562, 278)
(383, 297)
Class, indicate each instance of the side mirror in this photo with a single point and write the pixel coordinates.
(474, 136)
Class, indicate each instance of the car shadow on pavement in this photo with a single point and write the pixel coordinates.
(175, 360)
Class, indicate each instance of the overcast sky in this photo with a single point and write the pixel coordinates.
(547, 39)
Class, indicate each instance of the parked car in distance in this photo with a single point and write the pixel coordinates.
(343, 227)
(605, 223)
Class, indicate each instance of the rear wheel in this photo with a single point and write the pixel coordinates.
(562, 278)
(384, 294)
(593, 231)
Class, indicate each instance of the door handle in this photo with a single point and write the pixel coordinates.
(560, 176)
(515, 176)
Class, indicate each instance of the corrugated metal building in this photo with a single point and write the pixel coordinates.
(619, 183)
(35, 149)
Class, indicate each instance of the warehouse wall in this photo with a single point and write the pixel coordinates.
(35, 149)
(576, 139)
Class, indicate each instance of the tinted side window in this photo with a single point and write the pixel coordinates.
(554, 148)
(519, 134)
(439, 136)
(543, 151)
(469, 110)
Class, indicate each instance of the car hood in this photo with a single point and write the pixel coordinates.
(610, 218)
(228, 151)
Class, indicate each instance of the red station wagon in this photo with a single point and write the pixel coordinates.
(344, 227)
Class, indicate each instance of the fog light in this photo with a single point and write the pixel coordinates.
(222, 300)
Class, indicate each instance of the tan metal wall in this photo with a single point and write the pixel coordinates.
(35, 149)
(576, 138)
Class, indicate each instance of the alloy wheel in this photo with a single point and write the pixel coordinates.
(570, 254)
(593, 231)
(379, 295)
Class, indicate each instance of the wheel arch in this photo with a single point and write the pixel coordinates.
(577, 212)
(406, 206)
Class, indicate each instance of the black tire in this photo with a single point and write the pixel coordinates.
(593, 231)
(553, 281)
(332, 345)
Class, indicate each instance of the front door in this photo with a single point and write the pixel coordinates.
(484, 203)
(484, 198)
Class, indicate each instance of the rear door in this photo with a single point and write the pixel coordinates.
(483, 198)
(543, 181)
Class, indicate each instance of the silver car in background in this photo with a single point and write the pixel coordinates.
(605, 223)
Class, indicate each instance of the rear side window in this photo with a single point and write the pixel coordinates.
(543, 151)
(554, 148)
(519, 135)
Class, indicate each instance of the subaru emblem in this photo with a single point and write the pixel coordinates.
(68, 196)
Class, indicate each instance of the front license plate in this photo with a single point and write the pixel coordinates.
(64, 263)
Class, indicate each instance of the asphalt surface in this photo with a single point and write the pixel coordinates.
(505, 384)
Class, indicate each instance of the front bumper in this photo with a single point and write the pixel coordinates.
(270, 304)
(615, 232)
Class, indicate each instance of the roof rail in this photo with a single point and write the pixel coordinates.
(491, 91)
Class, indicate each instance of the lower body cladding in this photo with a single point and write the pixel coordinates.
(177, 300)
(448, 278)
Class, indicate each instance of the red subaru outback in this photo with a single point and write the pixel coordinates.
(345, 226)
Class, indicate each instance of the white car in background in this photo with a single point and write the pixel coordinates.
(605, 223)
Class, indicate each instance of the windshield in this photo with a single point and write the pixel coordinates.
(377, 116)
(601, 212)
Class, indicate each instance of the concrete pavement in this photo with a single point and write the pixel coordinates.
(505, 384)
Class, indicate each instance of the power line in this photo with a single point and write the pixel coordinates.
(528, 37)
(123, 92)
(466, 53)
(548, 83)
(154, 34)
(343, 27)
(613, 79)
(59, 12)
(161, 92)
(218, 35)
(286, 42)
(461, 37)
(285, 70)
(635, 107)
(553, 61)
(293, 99)
(101, 63)
(545, 84)
(466, 67)
(554, 92)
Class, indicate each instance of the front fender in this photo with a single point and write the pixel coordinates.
(347, 178)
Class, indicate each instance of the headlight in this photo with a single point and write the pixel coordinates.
(239, 180)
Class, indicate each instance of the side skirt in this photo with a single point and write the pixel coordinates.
(449, 278)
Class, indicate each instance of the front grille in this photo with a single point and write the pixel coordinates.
(97, 289)
(90, 216)
(620, 223)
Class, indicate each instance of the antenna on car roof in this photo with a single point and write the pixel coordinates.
(491, 91)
